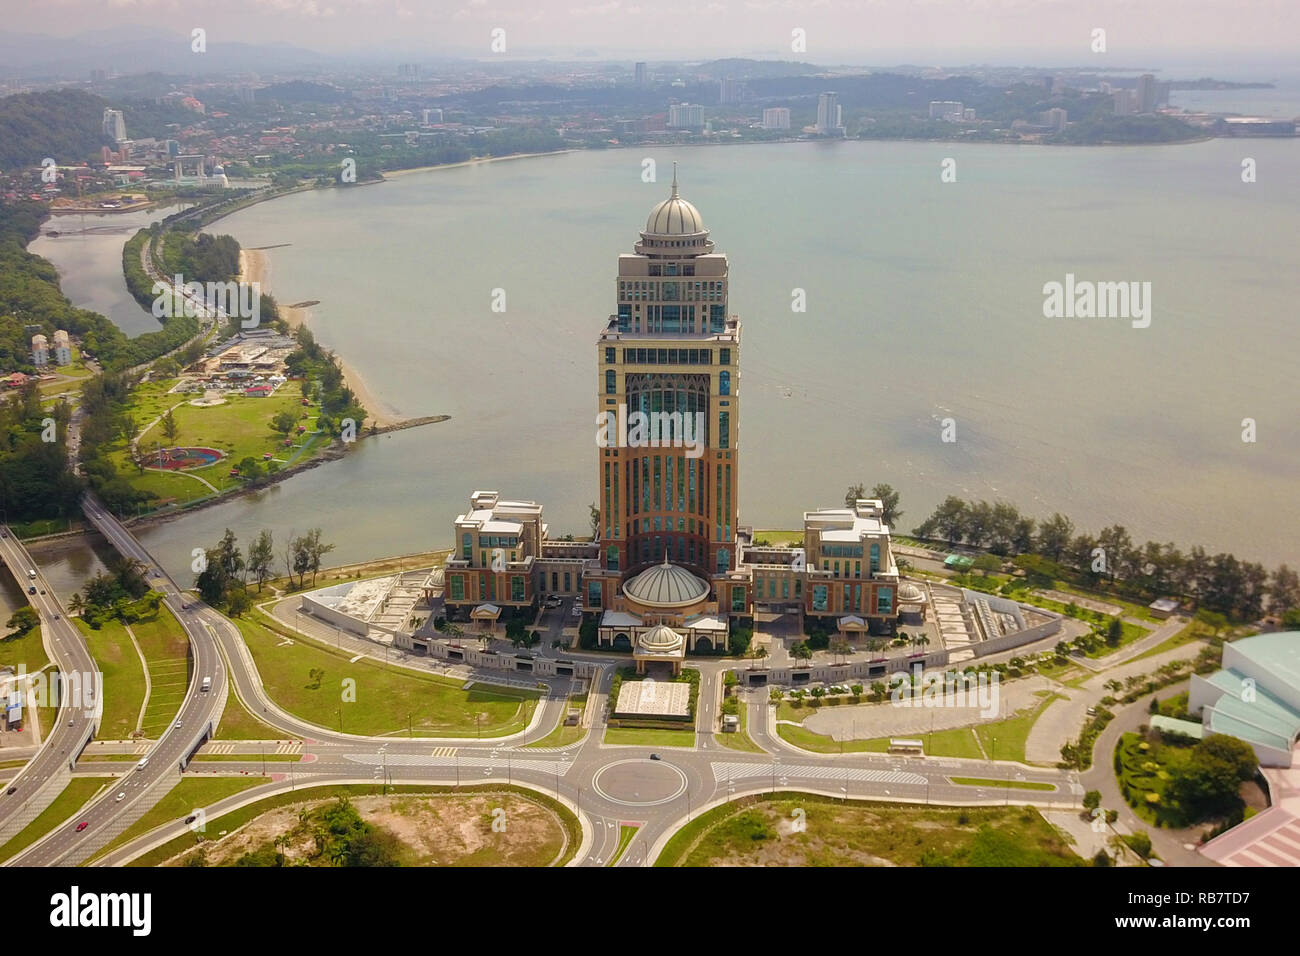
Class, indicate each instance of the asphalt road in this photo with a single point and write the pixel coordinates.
(76, 724)
(67, 845)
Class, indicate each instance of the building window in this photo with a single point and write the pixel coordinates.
(724, 382)
(517, 587)
(457, 584)
(593, 594)
(724, 358)
(885, 601)
(738, 599)
(875, 558)
(819, 597)
(724, 429)
(609, 356)
(467, 546)
(724, 560)
(611, 558)
(611, 382)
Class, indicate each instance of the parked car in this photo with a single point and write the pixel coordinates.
(577, 610)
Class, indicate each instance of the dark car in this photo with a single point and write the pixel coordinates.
(654, 756)
(82, 825)
(10, 790)
(31, 590)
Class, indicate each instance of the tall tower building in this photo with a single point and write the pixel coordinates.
(668, 403)
(829, 115)
(641, 74)
(114, 125)
(1147, 92)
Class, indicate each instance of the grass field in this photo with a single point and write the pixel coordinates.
(625, 835)
(989, 782)
(740, 740)
(79, 792)
(123, 677)
(238, 724)
(777, 538)
(308, 680)
(1002, 740)
(182, 800)
(650, 737)
(166, 651)
(239, 428)
(810, 830)
(561, 736)
(27, 651)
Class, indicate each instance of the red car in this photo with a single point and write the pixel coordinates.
(82, 825)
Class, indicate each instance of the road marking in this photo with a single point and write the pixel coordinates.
(725, 772)
(444, 752)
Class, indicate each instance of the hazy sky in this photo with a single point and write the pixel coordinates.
(865, 31)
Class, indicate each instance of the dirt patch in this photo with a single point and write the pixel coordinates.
(476, 829)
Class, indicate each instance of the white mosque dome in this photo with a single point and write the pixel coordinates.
(666, 585)
(674, 216)
(660, 639)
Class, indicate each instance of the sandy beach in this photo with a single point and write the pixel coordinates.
(255, 266)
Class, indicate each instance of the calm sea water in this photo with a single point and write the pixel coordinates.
(924, 300)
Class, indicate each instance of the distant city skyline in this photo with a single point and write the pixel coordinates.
(1157, 33)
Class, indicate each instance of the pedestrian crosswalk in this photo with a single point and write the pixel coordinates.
(725, 772)
(229, 747)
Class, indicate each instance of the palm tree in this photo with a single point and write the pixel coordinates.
(76, 603)
(922, 640)
(759, 652)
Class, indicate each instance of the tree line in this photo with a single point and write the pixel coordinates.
(223, 581)
(1053, 548)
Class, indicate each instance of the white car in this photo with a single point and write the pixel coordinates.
(577, 610)
(121, 796)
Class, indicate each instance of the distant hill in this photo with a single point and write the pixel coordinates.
(742, 69)
(64, 124)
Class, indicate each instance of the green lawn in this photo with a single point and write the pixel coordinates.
(79, 792)
(650, 737)
(183, 799)
(561, 736)
(1194, 631)
(740, 740)
(990, 782)
(123, 678)
(625, 835)
(801, 736)
(382, 699)
(166, 651)
(238, 724)
(776, 538)
(249, 758)
(27, 651)
(240, 428)
(803, 829)
(1005, 740)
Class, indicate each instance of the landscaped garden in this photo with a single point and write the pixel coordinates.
(1171, 780)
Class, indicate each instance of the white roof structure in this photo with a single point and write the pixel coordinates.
(619, 619)
(666, 585)
(674, 216)
(660, 640)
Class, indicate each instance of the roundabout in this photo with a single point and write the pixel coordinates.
(639, 782)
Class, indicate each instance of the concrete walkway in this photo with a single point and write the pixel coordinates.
(148, 685)
(1143, 644)
(1064, 719)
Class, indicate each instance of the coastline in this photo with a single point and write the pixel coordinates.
(478, 161)
(255, 267)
